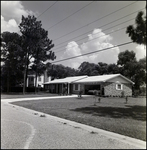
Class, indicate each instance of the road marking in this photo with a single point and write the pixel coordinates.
(29, 140)
(33, 130)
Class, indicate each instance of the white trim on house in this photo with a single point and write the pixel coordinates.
(119, 86)
(101, 78)
(122, 77)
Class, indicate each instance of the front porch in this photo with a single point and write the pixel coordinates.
(62, 88)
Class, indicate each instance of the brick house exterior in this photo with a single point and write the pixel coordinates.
(110, 89)
(107, 85)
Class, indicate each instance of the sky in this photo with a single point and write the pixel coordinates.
(80, 27)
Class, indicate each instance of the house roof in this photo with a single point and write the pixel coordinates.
(66, 80)
(101, 78)
(87, 79)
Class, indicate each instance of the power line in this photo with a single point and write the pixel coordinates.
(103, 26)
(97, 37)
(93, 52)
(69, 16)
(96, 33)
(47, 9)
(95, 21)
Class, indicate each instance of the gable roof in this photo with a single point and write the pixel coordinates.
(66, 80)
(101, 78)
(87, 79)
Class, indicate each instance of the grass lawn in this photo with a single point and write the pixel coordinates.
(111, 114)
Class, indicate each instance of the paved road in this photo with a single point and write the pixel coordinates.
(22, 128)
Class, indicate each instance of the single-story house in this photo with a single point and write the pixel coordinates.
(106, 85)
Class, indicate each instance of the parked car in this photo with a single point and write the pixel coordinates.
(91, 92)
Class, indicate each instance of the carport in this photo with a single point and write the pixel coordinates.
(106, 85)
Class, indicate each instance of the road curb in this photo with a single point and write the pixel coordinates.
(38, 98)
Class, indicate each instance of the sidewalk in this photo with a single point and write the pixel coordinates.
(39, 97)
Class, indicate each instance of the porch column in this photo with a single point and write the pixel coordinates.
(27, 82)
(62, 88)
(57, 89)
(68, 88)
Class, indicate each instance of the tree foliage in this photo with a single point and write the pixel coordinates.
(101, 68)
(36, 44)
(60, 71)
(138, 33)
(87, 68)
(12, 57)
(131, 68)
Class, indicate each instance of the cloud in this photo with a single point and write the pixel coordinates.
(97, 40)
(140, 51)
(72, 49)
(13, 10)
(10, 26)
(11, 13)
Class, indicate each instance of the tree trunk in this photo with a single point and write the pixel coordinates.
(36, 71)
(24, 82)
(25, 74)
(8, 82)
(36, 82)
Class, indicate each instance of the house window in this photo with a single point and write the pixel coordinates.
(119, 86)
(76, 87)
(39, 78)
(31, 79)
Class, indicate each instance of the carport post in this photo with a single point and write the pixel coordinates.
(68, 88)
(62, 88)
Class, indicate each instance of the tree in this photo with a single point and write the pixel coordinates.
(87, 68)
(42, 54)
(102, 68)
(131, 68)
(35, 44)
(140, 73)
(126, 62)
(138, 34)
(126, 56)
(60, 71)
(113, 69)
(12, 57)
